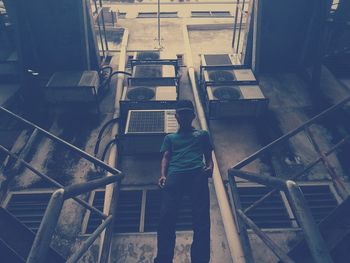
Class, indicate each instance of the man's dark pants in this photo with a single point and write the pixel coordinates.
(196, 184)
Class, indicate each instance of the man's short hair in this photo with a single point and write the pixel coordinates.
(184, 106)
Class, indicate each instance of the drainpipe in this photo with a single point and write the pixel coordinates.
(229, 222)
(112, 159)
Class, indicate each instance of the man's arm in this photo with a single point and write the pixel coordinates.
(164, 168)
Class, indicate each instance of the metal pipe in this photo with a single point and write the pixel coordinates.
(41, 244)
(235, 26)
(240, 26)
(112, 160)
(290, 134)
(266, 180)
(232, 235)
(69, 146)
(299, 174)
(340, 187)
(78, 189)
(88, 242)
(52, 181)
(265, 238)
(316, 244)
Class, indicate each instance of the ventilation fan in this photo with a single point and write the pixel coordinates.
(148, 55)
(227, 93)
(221, 75)
(140, 94)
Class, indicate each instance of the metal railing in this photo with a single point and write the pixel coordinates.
(299, 207)
(43, 237)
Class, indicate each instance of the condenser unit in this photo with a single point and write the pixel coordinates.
(145, 130)
(153, 67)
(147, 97)
(70, 86)
(235, 101)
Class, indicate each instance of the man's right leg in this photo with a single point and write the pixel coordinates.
(171, 197)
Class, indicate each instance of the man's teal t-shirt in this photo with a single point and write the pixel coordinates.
(186, 149)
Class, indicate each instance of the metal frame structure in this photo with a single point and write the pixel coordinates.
(43, 237)
(297, 201)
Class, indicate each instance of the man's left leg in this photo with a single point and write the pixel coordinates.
(200, 249)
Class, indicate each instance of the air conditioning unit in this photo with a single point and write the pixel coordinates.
(145, 130)
(72, 86)
(147, 97)
(223, 68)
(234, 76)
(145, 70)
(235, 101)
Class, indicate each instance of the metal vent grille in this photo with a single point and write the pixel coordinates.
(221, 75)
(153, 203)
(272, 213)
(29, 208)
(223, 59)
(320, 199)
(127, 218)
(146, 121)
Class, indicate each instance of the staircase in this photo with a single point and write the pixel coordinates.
(16, 240)
(335, 229)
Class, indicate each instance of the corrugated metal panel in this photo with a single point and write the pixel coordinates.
(272, 213)
(320, 200)
(29, 208)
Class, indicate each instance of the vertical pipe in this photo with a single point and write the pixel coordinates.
(158, 16)
(316, 244)
(230, 227)
(240, 26)
(112, 160)
(235, 25)
(41, 244)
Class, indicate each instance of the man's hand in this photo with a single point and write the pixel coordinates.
(208, 171)
(161, 181)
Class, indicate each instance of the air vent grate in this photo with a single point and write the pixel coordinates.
(153, 203)
(29, 208)
(272, 213)
(146, 121)
(320, 199)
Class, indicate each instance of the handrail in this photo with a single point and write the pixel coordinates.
(75, 149)
(255, 155)
(43, 237)
(317, 245)
(48, 224)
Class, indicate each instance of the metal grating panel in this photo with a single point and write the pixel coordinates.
(146, 121)
(270, 214)
(220, 59)
(320, 200)
(29, 208)
(153, 203)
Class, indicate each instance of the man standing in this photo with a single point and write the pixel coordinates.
(183, 170)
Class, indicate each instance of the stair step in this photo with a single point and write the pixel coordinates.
(10, 231)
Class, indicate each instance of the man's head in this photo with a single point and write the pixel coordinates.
(185, 113)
